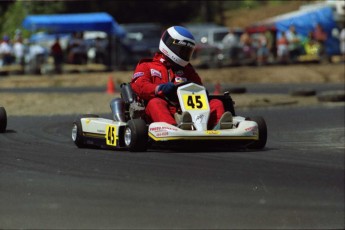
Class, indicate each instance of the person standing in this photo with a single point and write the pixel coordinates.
(6, 51)
(342, 42)
(58, 55)
(282, 49)
(231, 44)
(36, 57)
(262, 52)
(295, 43)
(320, 36)
(18, 50)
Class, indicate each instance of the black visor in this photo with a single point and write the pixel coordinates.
(182, 48)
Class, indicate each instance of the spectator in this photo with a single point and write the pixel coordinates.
(77, 53)
(310, 45)
(295, 43)
(6, 51)
(342, 42)
(18, 50)
(36, 58)
(262, 50)
(249, 56)
(282, 49)
(270, 44)
(320, 36)
(101, 47)
(58, 55)
(230, 42)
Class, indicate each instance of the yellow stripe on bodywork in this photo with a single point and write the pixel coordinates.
(201, 138)
(95, 135)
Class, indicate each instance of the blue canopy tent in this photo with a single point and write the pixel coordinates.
(69, 23)
(305, 21)
(61, 23)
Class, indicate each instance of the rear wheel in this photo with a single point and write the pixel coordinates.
(3, 120)
(77, 131)
(261, 142)
(136, 135)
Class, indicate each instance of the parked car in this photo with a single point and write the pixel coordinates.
(211, 51)
(141, 41)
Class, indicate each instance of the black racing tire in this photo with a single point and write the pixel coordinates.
(77, 131)
(332, 96)
(261, 142)
(3, 120)
(237, 90)
(136, 135)
(303, 92)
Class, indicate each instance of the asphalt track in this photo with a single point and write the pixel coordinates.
(296, 182)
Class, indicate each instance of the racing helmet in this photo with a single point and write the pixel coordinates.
(178, 44)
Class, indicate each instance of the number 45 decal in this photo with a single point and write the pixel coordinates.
(110, 135)
(195, 102)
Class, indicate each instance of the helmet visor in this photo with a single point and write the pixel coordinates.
(182, 48)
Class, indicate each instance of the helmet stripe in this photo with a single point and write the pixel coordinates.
(175, 34)
(181, 30)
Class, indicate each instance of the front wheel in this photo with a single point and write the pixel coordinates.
(136, 135)
(3, 120)
(77, 131)
(261, 142)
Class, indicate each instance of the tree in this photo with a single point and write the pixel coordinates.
(16, 11)
(12, 18)
(135, 11)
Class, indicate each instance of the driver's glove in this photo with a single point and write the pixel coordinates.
(165, 89)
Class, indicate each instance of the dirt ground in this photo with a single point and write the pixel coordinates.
(234, 18)
(97, 103)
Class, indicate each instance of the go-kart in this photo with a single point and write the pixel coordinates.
(3, 120)
(128, 128)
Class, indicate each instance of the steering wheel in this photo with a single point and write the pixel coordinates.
(172, 98)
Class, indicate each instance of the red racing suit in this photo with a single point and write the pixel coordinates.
(149, 73)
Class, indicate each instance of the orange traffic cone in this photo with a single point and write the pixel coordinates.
(110, 86)
(217, 89)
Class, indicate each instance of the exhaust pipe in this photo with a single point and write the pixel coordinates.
(117, 106)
